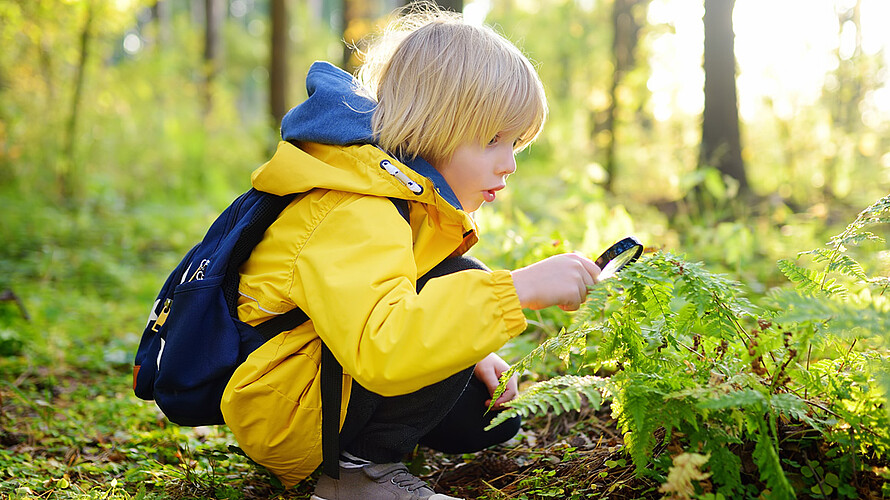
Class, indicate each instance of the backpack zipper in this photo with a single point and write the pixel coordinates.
(162, 317)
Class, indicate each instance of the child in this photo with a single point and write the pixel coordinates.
(444, 108)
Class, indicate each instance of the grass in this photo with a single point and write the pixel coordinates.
(82, 434)
(78, 433)
(70, 426)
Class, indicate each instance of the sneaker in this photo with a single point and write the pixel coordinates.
(375, 482)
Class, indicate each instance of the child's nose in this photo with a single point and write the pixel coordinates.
(507, 164)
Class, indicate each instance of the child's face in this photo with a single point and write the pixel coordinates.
(476, 172)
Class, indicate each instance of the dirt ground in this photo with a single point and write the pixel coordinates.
(577, 455)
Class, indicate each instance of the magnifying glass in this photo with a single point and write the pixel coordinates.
(619, 255)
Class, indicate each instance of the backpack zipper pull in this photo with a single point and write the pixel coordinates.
(162, 317)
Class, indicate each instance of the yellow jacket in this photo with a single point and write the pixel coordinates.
(343, 254)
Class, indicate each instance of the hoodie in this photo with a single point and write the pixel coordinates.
(343, 254)
(338, 112)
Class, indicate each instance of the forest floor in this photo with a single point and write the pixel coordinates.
(82, 434)
(574, 455)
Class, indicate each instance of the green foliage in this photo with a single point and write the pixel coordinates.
(87, 237)
(560, 394)
(691, 356)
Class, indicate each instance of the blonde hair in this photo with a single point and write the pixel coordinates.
(440, 82)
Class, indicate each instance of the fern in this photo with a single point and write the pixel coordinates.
(745, 398)
(635, 410)
(694, 357)
(838, 262)
(560, 394)
(806, 280)
(767, 459)
(880, 281)
(842, 241)
(794, 408)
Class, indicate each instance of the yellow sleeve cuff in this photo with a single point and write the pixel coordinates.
(514, 319)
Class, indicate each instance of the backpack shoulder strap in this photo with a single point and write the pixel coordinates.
(402, 207)
(268, 208)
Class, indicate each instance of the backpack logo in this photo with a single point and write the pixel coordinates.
(199, 273)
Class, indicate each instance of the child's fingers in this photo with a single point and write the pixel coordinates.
(490, 379)
(509, 393)
(590, 268)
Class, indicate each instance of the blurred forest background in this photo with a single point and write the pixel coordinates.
(736, 133)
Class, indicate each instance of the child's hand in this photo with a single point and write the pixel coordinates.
(489, 371)
(561, 280)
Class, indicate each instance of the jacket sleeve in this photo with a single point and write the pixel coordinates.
(356, 275)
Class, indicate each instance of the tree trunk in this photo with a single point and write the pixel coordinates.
(350, 19)
(214, 11)
(359, 16)
(626, 34)
(160, 11)
(278, 67)
(67, 171)
(721, 141)
(844, 104)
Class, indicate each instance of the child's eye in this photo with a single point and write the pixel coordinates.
(494, 140)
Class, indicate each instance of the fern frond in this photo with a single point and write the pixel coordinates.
(880, 281)
(820, 254)
(793, 407)
(843, 320)
(560, 394)
(597, 297)
(745, 398)
(561, 344)
(645, 272)
(842, 241)
(638, 411)
(877, 213)
(847, 266)
(627, 342)
(806, 280)
(767, 459)
(726, 467)
(686, 319)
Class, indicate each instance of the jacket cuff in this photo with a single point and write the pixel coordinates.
(511, 310)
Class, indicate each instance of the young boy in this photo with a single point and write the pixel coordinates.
(444, 108)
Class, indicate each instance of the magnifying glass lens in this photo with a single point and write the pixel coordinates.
(619, 255)
(614, 265)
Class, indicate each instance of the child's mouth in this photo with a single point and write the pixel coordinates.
(489, 195)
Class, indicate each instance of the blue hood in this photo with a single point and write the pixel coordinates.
(338, 112)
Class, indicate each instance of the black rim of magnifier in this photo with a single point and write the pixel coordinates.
(629, 243)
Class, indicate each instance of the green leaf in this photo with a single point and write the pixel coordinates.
(746, 398)
(767, 460)
(806, 280)
(846, 265)
(559, 394)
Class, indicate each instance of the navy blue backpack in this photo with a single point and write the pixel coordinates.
(193, 341)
